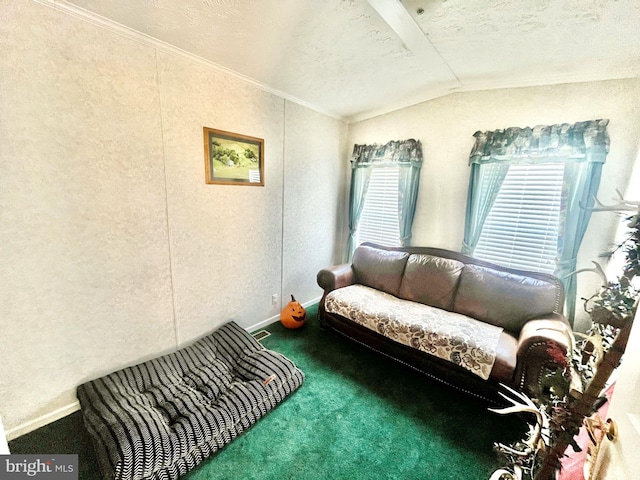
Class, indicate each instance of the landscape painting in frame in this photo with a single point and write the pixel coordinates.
(233, 159)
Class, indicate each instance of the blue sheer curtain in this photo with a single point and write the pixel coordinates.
(407, 155)
(581, 181)
(581, 146)
(408, 183)
(484, 185)
(360, 175)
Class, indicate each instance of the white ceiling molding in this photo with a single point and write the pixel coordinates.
(123, 30)
(547, 80)
(493, 85)
(357, 59)
(409, 102)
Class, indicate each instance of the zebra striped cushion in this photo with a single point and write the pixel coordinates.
(160, 419)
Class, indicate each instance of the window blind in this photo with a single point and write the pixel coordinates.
(379, 219)
(522, 228)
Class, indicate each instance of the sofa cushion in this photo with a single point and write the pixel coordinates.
(379, 269)
(430, 280)
(458, 339)
(504, 299)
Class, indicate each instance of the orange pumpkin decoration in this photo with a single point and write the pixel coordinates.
(293, 315)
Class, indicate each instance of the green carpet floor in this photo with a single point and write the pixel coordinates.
(358, 415)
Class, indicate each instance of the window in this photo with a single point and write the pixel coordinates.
(383, 193)
(522, 227)
(379, 218)
(543, 180)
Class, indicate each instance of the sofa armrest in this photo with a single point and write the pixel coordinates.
(334, 277)
(544, 343)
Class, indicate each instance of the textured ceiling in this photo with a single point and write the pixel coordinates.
(343, 58)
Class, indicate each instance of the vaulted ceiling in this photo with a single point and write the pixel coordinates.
(358, 58)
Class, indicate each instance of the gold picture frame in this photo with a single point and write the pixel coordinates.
(232, 158)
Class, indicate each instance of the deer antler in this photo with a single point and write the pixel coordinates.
(597, 269)
(622, 205)
(522, 403)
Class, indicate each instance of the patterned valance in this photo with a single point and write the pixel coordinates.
(582, 140)
(394, 152)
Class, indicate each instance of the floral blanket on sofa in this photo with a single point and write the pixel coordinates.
(462, 340)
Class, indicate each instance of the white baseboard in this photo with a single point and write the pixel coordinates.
(48, 418)
(312, 302)
(43, 420)
(263, 324)
(276, 318)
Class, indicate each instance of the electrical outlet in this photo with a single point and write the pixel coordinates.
(274, 299)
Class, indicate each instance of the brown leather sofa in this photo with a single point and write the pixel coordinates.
(407, 303)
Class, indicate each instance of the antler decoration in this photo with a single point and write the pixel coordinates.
(522, 459)
(622, 205)
(521, 403)
(597, 269)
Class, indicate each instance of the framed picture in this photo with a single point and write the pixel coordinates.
(233, 159)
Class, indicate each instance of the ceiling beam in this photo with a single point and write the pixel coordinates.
(403, 24)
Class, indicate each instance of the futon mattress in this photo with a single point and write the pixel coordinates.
(161, 418)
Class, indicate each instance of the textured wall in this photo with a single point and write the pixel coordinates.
(85, 280)
(113, 248)
(446, 125)
(314, 187)
(225, 240)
